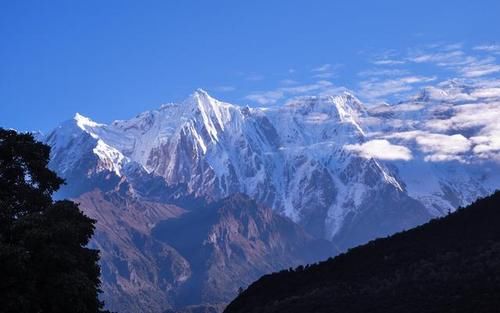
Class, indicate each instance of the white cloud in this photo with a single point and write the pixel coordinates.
(383, 72)
(406, 135)
(486, 93)
(406, 107)
(375, 88)
(443, 158)
(266, 97)
(495, 48)
(452, 46)
(469, 116)
(322, 68)
(323, 75)
(448, 95)
(388, 62)
(436, 147)
(307, 88)
(439, 125)
(442, 58)
(416, 79)
(478, 69)
(383, 81)
(441, 144)
(487, 146)
(467, 106)
(273, 96)
(325, 71)
(457, 60)
(380, 149)
(224, 88)
(481, 119)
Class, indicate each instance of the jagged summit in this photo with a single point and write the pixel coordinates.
(202, 92)
(83, 122)
(345, 105)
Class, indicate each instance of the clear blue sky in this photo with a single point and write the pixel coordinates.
(114, 59)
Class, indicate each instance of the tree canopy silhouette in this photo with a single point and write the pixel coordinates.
(45, 265)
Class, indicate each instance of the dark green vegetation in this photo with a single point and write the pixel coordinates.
(44, 264)
(450, 264)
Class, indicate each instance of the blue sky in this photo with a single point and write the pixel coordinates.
(113, 59)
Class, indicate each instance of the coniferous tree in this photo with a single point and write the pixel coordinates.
(45, 265)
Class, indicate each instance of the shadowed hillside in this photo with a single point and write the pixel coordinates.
(450, 264)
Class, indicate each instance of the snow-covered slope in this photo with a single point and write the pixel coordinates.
(344, 171)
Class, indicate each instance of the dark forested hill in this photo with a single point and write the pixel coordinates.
(450, 264)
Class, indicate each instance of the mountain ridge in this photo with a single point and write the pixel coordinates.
(450, 264)
(216, 149)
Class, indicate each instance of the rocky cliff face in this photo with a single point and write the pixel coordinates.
(138, 272)
(156, 256)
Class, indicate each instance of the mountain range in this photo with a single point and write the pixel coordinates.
(198, 198)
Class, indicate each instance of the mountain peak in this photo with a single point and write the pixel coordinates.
(344, 101)
(212, 113)
(202, 92)
(350, 101)
(83, 121)
(201, 96)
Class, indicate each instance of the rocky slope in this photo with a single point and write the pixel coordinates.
(156, 256)
(138, 272)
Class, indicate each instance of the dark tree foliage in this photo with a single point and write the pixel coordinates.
(45, 265)
(451, 264)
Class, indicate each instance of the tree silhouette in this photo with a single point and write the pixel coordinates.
(45, 265)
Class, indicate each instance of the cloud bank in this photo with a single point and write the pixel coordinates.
(380, 149)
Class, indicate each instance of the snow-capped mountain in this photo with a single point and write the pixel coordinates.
(344, 171)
